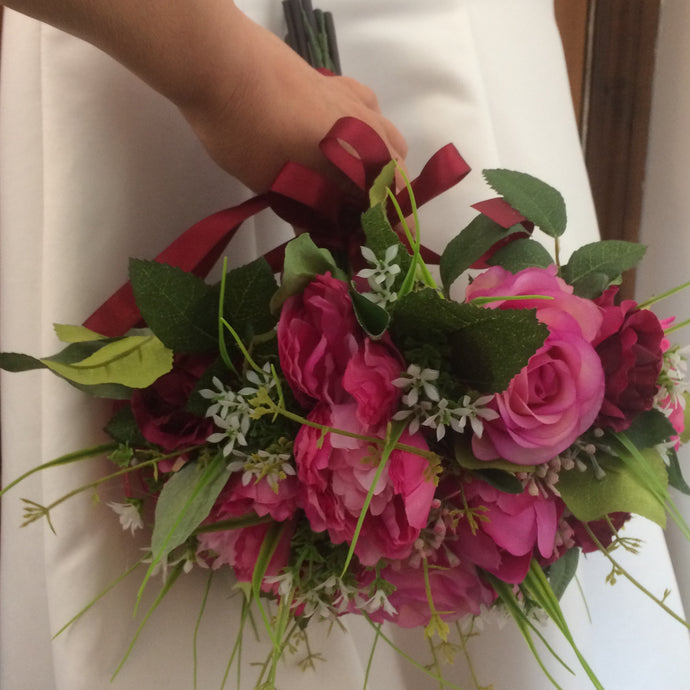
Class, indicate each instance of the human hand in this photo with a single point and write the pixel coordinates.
(275, 108)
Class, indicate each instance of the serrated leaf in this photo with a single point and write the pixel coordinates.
(378, 194)
(122, 427)
(488, 346)
(469, 246)
(185, 501)
(134, 361)
(521, 254)
(181, 309)
(76, 334)
(589, 498)
(534, 199)
(303, 261)
(562, 571)
(248, 292)
(373, 318)
(594, 266)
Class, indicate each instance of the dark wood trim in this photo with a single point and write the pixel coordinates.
(623, 36)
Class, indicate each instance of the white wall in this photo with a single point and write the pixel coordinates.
(666, 209)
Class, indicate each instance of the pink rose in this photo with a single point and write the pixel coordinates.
(629, 344)
(557, 395)
(317, 335)
(160, 410)
(368, 378)
(510, 530)
(335, 476)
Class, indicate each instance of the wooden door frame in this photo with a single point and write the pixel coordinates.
(610, 49)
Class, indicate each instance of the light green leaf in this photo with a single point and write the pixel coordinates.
(534, 199)
(594, 266)
(470, 245)
(303, 261)
(76, 334)
(134, 361)
(185, 501)
(589, 498)
(379, 190)
(521, 254)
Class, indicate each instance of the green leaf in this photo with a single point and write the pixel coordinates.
(503, 481)
(373, 318)
(470, 245)
(303, 261)
(589, 498)
(16, 362)
(248, 292)
(488, 346)
(520, 254)
(534, 199)
(466, 459)
(181, 309)
(122, 427)
(675, 473)
(76, 334)
(594, 266)
(378, 194)
(562, 571)
(185, 501)
(134, 361)
(650, 429)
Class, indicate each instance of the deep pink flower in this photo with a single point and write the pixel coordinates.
(557, 395)
(456, 590)
(335, 476)
(629, 344)
(317, 335)
(368, 378)
(160, 410)
(240, 548)
(508, 531)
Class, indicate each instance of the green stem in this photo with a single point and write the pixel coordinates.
(76, 456)
(677, 327)
(653, 300)
(195, 637)
(370, 660)
(631, 579)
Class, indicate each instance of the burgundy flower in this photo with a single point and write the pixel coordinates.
(629, 344)
(159, 410)
(604, 530)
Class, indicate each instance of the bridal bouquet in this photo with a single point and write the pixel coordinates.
(352, 430)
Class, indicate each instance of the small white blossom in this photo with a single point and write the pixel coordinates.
(262, 464)
(129, 514)
(415, 381)
(377, 601)
(381, 276)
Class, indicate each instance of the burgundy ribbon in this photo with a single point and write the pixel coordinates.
(304, 198)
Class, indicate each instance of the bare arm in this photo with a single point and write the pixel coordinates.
(251, 100)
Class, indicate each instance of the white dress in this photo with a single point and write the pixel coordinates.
(97, 168)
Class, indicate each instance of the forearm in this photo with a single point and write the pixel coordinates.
(180, 48)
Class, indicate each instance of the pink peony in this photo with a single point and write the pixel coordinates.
(317, 335)
(456, 591)
(557, 395)
(368, 378)
(629, 344)
(240, 548)
(160, 410)
(336, 473)
(509, 529)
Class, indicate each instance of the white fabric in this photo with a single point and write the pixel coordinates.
(97, 168)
